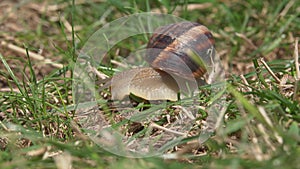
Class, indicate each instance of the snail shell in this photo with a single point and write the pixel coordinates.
(185, 49)
(177, 52)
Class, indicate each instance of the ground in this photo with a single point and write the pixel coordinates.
(256, 41)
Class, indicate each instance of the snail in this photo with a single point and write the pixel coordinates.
(178, 54)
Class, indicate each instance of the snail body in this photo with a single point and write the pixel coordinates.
(177, 53)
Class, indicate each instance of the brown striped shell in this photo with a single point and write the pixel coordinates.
(185, 49)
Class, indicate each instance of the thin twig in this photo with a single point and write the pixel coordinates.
(3, 126)
(184, 110)
(269, 70)
(296, 57)
(220, 115)
(42, 8)
(246, 82)
(287, 8)
(6, 89)
(120, 64)
(104, 16)
(31, 54)
(247, 40)
(264, 114)
(38, 152)
(189, 7)
(98, 73)
(266, 136)
(154, 125)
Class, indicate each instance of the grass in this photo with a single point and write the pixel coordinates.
(38, 125)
